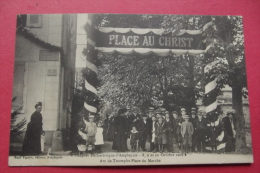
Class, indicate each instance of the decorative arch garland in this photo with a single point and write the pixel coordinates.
(90, 103)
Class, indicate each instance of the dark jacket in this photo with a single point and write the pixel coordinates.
(169, 125)
(144, 128)
(160, 129)
(227, 126)
(200, 125)
(32, 138)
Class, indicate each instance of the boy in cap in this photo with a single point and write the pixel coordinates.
(91, 130)
(186, 132)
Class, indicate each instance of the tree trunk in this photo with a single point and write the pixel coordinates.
(239, 120)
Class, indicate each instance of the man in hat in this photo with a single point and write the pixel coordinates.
(150, 122)
(229, 131)
(134, 119)
(193, 116)
(91, 130)
(169, 132)
(186, 132)
(158, 114)
(150, 112)
(193, 121)
(144, 127)
(183, 111)
(163, 111)
(200, 132)
(177, 130)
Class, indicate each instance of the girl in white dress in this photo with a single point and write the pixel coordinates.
(99, 137)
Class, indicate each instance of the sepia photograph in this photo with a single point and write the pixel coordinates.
(129, 90)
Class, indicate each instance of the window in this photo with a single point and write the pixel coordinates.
(34, 20)
(18, 84)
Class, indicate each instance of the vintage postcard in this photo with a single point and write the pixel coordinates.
(129, 89)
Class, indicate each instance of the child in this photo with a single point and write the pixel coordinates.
(134, 137)
(42, 141)
(91, 130)
(99, 137)
(160, 133)
(186, 132)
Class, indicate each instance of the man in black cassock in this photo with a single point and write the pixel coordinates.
(32, 138)
(121, 131)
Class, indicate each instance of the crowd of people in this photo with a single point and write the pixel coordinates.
(161, 131)
(154, 131)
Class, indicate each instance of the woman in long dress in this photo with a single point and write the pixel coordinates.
(120, 133)
(32, 138)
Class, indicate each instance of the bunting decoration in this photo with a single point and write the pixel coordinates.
(215, 142)
(91, 68)
(148, 51)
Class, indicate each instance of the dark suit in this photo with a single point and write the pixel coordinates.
(169, 134)
(229, 135)
(193, 121)
(200, 134)
(144, 129)
(177, 129)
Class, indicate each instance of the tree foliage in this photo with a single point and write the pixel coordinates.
(17, 128)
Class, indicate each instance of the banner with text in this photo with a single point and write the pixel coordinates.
(150, 40)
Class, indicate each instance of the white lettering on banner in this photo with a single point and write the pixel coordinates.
(136, 40)
(131, 40)
(148, 41)
(175, 41)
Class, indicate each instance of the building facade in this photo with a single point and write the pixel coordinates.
(44, 71)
